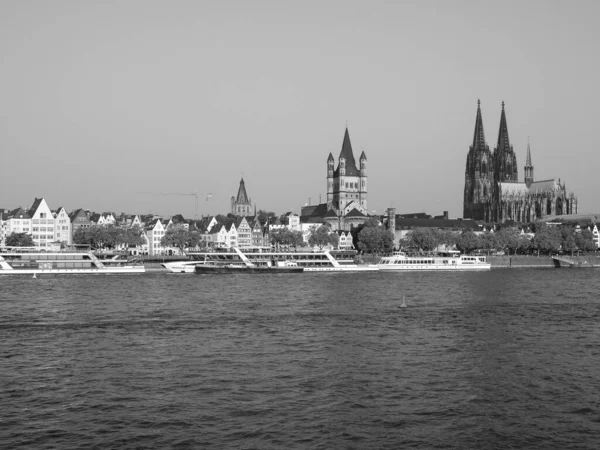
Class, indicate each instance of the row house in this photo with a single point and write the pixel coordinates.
(244, 233)
(16, 221)
(63, 231)
(595, 235)
(345, 240)
(42, 223)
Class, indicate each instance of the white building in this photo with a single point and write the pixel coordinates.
(63, 231)
(42, 223)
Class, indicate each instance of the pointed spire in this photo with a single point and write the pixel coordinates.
(503, 141)
(242, 196)
(479, 136)
(528, 160)
(348, 155)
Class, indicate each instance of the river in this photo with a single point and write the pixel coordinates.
(498, 359)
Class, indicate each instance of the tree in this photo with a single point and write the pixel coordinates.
(97, 236)
(321, 237)
(19, 240)
(178, 236)
(487, 241)
(297, 239)
(547, 239)
(264, 215)
(585, 241)
(375, 239)
(425, 239)
(568, 243)
(467, 241)
(508, 239)
(132, 237)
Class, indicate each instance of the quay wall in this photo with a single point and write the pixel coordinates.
(545, 261)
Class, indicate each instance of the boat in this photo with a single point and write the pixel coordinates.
(34, 261)
(323, 261)
(447, 261)
(280, 267)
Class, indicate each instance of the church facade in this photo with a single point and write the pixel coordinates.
(493, 192)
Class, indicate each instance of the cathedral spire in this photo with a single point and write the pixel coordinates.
(528, 160)
(479, 136)
(503, 141)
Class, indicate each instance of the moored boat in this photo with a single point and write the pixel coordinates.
(323, 261)
(451, 261)
(33, 261)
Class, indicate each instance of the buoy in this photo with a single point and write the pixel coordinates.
(403, 304)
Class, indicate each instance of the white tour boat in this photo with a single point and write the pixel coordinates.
(451, 261)
(325, 261)
(33, 261)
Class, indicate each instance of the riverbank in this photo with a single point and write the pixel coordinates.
(542, 261)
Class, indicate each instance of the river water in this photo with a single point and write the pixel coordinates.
(499, 359)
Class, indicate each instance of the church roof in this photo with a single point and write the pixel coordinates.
(347, 153)
(503, 141)
(545, 186)
(479, 135)
(242, 196)
(354, 213)
(330, 213)
(508, 188)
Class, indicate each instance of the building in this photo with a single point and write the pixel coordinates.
(80, 219)
(42, 223)
(492, 191)
(347, 192)
(347, 184)
(241, 205)
(62, 227)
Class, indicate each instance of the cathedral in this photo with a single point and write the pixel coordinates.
(347, 185)
(493, 192)
(241, 205)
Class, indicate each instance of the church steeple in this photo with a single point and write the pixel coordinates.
(505, 160)
(479, 136)
(528, 167)
(503, 141)
(348, 156)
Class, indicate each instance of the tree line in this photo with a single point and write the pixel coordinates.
(547, 240)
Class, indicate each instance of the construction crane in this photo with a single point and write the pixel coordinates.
(194, 194)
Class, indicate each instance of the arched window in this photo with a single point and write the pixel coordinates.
(483, 168)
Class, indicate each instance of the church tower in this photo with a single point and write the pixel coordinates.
(528, 168)
(347, 185)
(479, 175)
(241, 205)
(505, 160)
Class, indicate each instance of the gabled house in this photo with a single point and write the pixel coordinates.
(595, 235)
(63, 231)
(42, 223)
(154, 232)
(345, 240)
(79, 219)
(244, 232)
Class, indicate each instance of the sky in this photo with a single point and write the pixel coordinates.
(105, 105)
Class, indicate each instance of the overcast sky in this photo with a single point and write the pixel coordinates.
(100, 101)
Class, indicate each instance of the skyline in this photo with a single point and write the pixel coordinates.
(100, 102)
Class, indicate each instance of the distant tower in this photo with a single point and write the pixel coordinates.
(528, 167)
(347, 185)
(330, 163)
(479, 175)
(241, 205)
(505, 160)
